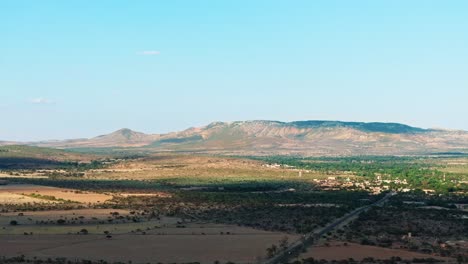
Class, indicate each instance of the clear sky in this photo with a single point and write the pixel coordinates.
(82, 68)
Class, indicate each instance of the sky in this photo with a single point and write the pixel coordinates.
(73, 69)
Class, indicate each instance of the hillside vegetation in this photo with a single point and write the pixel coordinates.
(305, 138)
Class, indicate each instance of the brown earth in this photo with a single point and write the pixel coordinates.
(202, 243)
(190, 166)
(157, 241)
(13, 198)
(10, 194)
(337, 251)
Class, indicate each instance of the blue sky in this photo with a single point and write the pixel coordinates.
(82, 68)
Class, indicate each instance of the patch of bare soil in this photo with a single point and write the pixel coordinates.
(244, 247)
(153, 194)
(60, 193)
(338, 251)
(13, 198)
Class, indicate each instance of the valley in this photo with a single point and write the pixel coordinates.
(202, 208)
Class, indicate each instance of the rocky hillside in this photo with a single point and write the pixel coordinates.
(297, 138)
(314, 138)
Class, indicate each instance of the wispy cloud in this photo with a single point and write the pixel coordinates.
(149, 52)
(40, 100)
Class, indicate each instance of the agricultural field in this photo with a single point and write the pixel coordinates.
(339, 250)
(185, 208)
(139, 237)
(180, 248)
(29, 193)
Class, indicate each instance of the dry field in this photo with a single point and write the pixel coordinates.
(20, 193)
(24, 175)
(25, 218)
(95, 223)
(187, 166)
(153, 194)
(13, 198)
(143, 248)
(142, 242)
(337, 251)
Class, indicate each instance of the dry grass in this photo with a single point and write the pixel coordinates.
(18, 193)
(93, 220)
(143, 248)
(189, 166)
(153, 194)
(161, 241)
(24, 175)
(13, 198)
(337, 251)
(57, 214)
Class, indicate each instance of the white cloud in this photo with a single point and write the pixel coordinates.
(149, 52)
(40, 100)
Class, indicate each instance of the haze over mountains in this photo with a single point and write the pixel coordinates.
(262, 137)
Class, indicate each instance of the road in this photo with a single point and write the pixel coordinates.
(308, 239)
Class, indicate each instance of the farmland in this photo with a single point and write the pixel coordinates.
(339, 250)
(41, 234)
(174, 208)
(41, 193)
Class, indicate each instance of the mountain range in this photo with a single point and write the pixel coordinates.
(262, 137)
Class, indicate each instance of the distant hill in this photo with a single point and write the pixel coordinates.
(31, 152)
(121, 138)
(262, 137)
(6, 143)
(24, 157)
(313, 138)
(392, 128)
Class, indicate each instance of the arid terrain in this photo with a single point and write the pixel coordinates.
(263, 137)
(339, 250)
(199, 208)
(13, 193)
(150, 240)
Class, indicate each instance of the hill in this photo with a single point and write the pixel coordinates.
(314, 138)
(261, 137)
(21, 156)
(121, 138)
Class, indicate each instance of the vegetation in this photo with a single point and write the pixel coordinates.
(419, 172)
(47, 197)
(290, 195)
(422, 229)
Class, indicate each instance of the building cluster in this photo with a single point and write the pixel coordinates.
(376, 186)
(277, 166)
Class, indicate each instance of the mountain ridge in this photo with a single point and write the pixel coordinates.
(269, 137)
